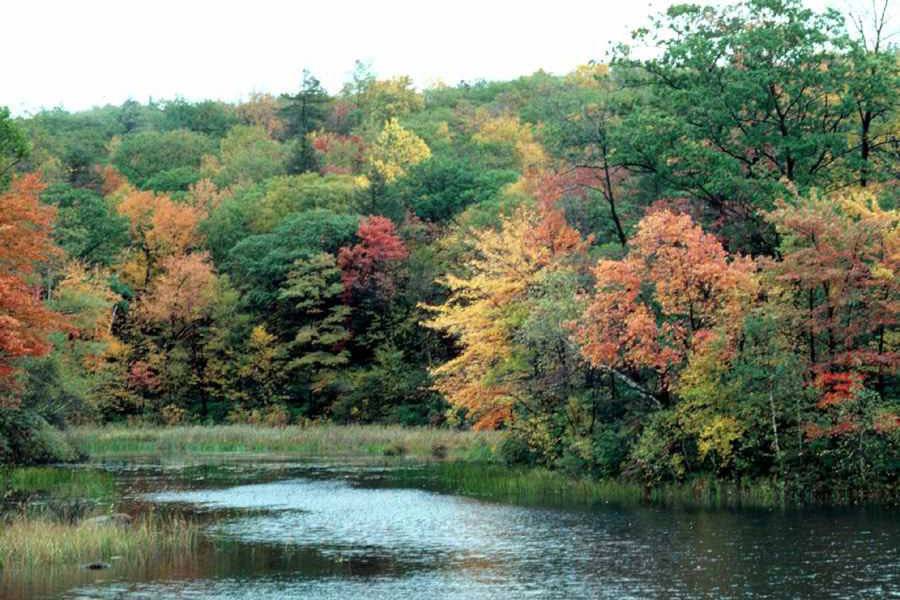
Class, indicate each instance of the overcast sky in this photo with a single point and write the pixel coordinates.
(79, 54)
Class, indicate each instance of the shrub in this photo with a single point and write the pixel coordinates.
(178, 179)
(514, 450)
(395, 449)
(655, 454)
(26, 438)
(608, 452)
(275, 415)
(439, 451)
(173, 415)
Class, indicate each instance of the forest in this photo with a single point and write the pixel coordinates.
(649, 268)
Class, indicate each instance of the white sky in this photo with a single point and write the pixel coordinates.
(83, 53)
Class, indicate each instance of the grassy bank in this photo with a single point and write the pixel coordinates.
(313, 441)
(469, 464)
(57, 483)
(538, 486)
(27, 542)
(517, 485)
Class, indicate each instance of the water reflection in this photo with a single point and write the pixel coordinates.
(286, 530)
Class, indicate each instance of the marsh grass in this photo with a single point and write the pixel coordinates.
(518, 485)
(58, 482)
(313, 441)
(462, 462)
(709, 492)
(536, 486)
(27, 543)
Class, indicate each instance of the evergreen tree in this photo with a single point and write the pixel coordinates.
(303, 113)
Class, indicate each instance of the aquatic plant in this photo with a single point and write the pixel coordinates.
(58, 482)
(27, 542)
(324, 440)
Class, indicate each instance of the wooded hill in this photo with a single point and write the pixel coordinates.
(648, 268)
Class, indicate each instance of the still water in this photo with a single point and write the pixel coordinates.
(289, 530)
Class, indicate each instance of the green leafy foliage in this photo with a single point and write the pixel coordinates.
(261, 263)
(87, 227)
(440, 188)
(666, 269)
(146, 155)
(13, 146)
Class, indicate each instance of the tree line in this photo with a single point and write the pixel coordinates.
(649, 268)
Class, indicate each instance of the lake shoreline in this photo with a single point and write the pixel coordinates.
(461, 462)
(320, 441)
(235, 525)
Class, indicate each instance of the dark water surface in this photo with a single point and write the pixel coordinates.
(299, 530)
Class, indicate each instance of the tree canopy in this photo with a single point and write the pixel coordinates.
(677, 265)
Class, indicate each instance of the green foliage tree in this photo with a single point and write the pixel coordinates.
(743, 99)
(303, 113)
(260, 264)
(872, 79)
(167, 156)
(286, 195)
(440, 188)
(87, 227)
(67, 148)
(583, 128)
(317, 318)
(247, 154)
(13, 146)
(208, 117)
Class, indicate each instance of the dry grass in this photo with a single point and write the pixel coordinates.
(27, 543)
(313, 441)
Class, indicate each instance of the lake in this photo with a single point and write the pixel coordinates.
(284, 529)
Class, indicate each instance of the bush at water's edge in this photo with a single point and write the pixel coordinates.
(27, 439)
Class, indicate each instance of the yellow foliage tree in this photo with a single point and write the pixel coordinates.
(588, 75)
(395, 150)
(384, 99)
(480, 309)
(508, 131)
(706, 402)
(86, 300)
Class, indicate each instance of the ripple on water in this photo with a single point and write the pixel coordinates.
(330, 538)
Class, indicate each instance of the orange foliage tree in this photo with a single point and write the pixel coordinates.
(180, 296)
(839, 281)
(651, 309)
(25, 229)
(160, 227)
(175, 311)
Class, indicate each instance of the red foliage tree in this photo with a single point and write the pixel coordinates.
(579, 182)
(839, 286)
(368, 266)
(839, 300)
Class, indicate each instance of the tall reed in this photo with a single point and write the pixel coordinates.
(324, 440)
(28, 543)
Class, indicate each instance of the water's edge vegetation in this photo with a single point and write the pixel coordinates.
(173, 521)
(326, 440)
(674, 273)
(471, 463)
(73, 524)
(31, 542)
